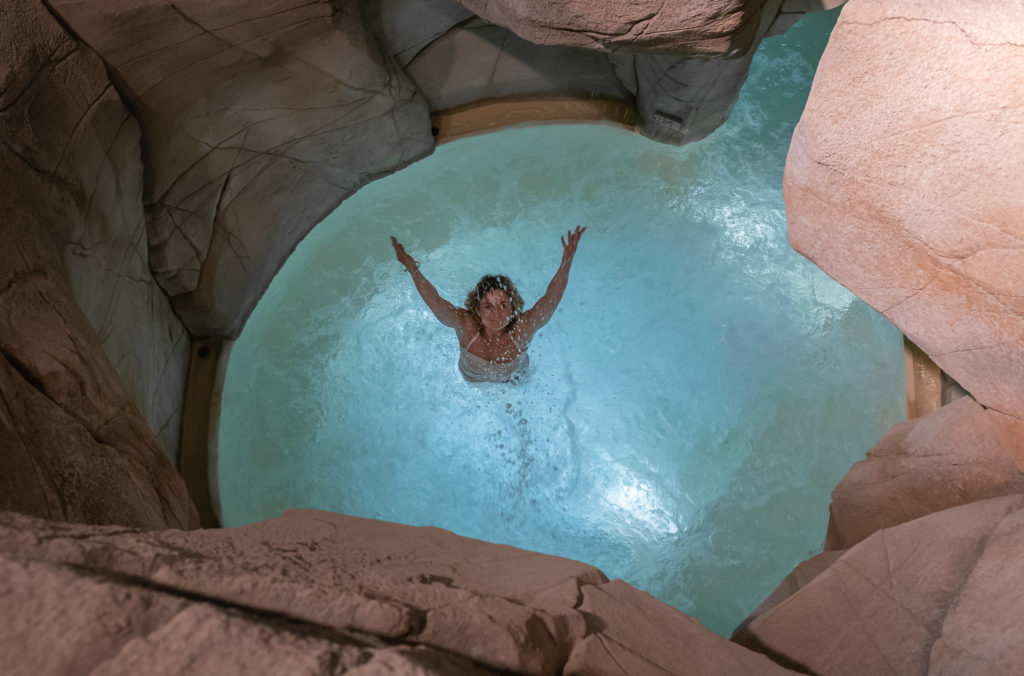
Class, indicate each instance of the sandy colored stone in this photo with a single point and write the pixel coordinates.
(258, 119)
(675, 27)
(74, 445)
(931, 596)
(980, 634)
(61, 621)
(631, 632)
(804, 572)
(901, 183)
(957, 454)
(468, 601)
(71, 125)
(418, 585)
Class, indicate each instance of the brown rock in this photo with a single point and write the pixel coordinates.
(335, 578)
(678, 28)
(913, 599)
(420, 585)
(73, 444)
(791, 584)
(957, 454)
(631, 632)
(119, 626)
(258, 119)
(899, 185)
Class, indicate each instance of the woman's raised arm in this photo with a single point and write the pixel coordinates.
(541, 313)
(446, 313)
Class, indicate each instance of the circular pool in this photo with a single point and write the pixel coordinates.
(688, 409)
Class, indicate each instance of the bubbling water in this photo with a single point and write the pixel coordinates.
(687, 410)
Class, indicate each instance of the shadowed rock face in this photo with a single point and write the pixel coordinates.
(74, 446)
(675, 27)
(258, 119)
(905, 182)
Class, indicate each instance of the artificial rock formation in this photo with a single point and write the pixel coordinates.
(74, 444)
(259, 118)
(160, 160)
(324, 593)
(958, 454)
(938, 595)
(905, 180)
(682, 28)
(184, 149)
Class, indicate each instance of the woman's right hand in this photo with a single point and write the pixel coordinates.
(404, 258)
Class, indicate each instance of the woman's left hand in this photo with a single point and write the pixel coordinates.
(569, 248)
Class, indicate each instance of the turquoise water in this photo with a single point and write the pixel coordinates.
(700, 391)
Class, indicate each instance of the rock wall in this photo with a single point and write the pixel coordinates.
(237, 173)
(958, 454)
(89, 196)
(325, 593)
(937, 595)
(74, 445)
(179, 153)
(257, 120)
(194, 145)
(905, 180)
(904, 183)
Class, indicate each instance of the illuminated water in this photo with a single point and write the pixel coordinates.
(691, 405)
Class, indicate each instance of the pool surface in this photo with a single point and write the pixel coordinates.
(689, 408)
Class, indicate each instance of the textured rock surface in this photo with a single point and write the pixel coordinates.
(938, 595)
(67, 125)
(477, 60)
(675, 27)
(903, 181)
(120, 626)
(257, 119)
(298, 589)
(640, 635)
(960, 453)
(255, 126)
(73, 444)
(791, 584)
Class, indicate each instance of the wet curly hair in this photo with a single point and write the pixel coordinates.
(489, 283)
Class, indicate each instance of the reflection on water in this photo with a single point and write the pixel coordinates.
(688, 410)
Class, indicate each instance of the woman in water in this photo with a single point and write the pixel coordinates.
(494, 332)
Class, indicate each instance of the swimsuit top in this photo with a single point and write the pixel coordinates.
(477, 369)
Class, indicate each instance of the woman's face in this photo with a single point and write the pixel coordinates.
(495, 310)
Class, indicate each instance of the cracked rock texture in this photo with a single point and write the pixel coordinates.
(905, 180)
(77, 171)
(74, 446)
(169, 156)
(937, 595)
(673, 27)
(314, 591)
(958, 454)
(257, 119)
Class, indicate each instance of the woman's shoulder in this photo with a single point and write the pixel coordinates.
(521, 335)
(468, 326)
